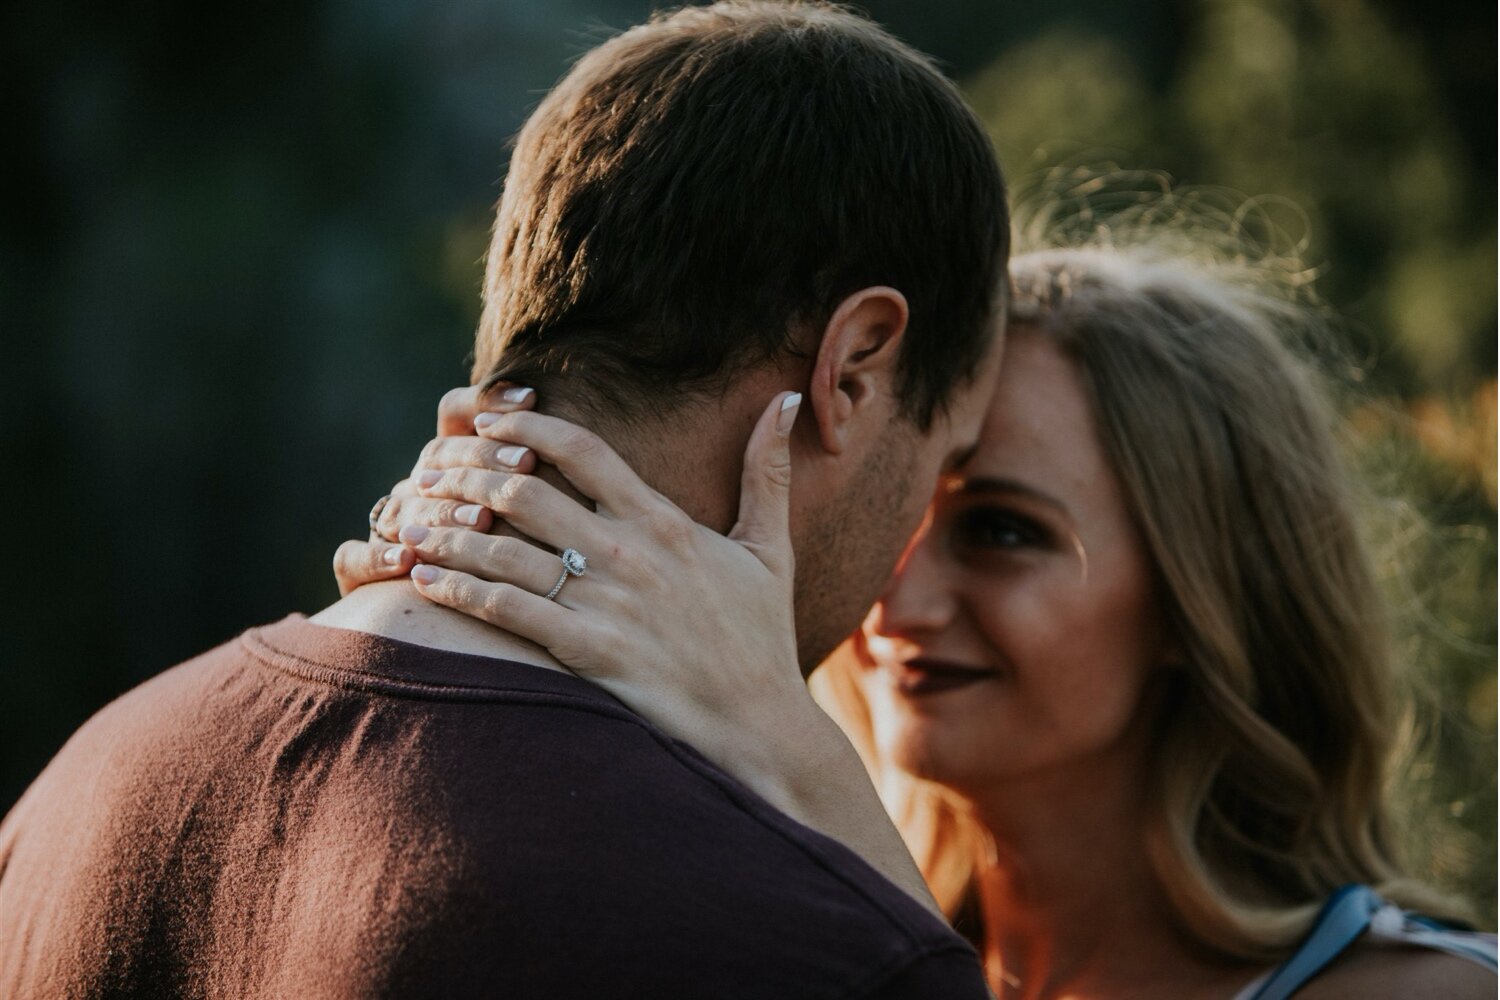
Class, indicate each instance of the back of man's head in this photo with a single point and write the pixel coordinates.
(699, 194)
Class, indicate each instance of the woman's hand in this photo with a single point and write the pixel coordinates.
(360, 562)
(662, 597)
(692, 629)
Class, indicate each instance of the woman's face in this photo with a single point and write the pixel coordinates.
(1020, 628)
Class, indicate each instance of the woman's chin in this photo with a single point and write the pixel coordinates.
(920, 743)
(953, 756)
(918, 748)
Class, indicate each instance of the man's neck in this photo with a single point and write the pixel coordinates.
(395, 610)
(693, 458)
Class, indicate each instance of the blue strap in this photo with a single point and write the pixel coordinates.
(1344, 918)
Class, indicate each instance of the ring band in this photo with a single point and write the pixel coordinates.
(574, 564)
(375, 514)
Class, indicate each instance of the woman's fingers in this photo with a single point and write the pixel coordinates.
(456, 411)
(478, 452)
(404, 509)
(583, 458)
(515, 610)
(491, 558)
(531, 505)
(763, 526)
(460, 408)
(358, 563)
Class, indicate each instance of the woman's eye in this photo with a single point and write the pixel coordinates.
(992, 528)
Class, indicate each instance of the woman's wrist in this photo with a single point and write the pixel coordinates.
(784, 757)
(818, 786)
(824, 785)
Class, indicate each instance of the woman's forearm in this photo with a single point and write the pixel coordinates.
(825, 786)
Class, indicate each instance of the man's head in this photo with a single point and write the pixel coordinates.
(748, 190)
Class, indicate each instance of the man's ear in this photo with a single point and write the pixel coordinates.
(855, 370)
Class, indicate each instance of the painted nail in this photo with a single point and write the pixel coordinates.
(412, 534)
(424, 573)
(392, 555)
(511, 455)
(517, 395)
(788, 414)
(485, 419)
(428, 477)
(467, 514)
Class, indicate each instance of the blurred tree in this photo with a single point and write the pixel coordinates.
(1324, 104)
(1323, 107)
(1431, 468)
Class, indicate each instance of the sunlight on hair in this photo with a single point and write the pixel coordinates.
(1210, 361)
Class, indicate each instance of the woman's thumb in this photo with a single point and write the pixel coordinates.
(766, 486)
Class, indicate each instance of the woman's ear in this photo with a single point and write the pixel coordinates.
(854, 375)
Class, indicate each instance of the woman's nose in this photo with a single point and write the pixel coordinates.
(918, 598)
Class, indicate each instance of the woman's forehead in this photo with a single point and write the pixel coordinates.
(1040, 431)
(1040, 404)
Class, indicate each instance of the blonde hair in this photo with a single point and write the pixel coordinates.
(1270, 756)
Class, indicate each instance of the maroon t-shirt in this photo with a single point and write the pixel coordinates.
(308, 812)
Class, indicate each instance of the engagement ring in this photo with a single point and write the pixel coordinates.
(574, 564)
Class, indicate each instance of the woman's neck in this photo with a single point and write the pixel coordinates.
(1071, 906)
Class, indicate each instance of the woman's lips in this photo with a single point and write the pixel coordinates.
(922, 676)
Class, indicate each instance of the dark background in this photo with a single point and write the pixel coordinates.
(240, 259)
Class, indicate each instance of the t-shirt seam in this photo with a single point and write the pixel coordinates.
(322, 673)
(361, 680)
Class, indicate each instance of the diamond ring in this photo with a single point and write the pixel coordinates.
(574, 564)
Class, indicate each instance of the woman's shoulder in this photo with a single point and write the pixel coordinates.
(1361, 945)
(1392, 969)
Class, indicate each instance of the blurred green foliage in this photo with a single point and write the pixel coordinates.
(1430, 465)
(240, 263)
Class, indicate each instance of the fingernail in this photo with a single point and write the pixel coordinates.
(467, 514)
(485, 419)
(517, 395)
(424, 573)
(392, 555)
(412, 534)
(788, 415)
(428, 477)
(511, 455)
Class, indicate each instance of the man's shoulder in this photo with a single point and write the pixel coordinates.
(590, 841)
(507, 815)
(649, 865)
(611, 807)
(162, 709)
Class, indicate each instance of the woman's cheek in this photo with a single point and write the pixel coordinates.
(1019, 616)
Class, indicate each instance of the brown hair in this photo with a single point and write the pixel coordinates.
(1274, 735)
(701, 191)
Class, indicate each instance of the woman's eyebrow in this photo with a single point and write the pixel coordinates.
(959, 459)
(988, 484)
